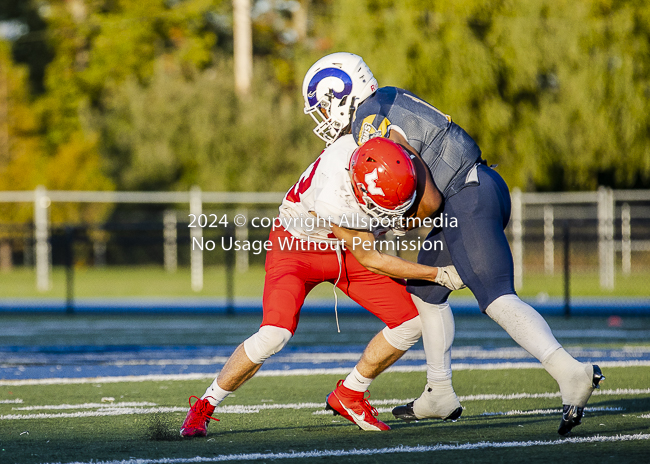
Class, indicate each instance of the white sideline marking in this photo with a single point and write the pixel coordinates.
(483, 397)
(85, 406)
(516, 412)
(289, 373)
(169, 362)
(16, 401)
(120, 411)
(458, 354)
(99, 380)
(516, 396)
(542, 412)
(370, 451)
(127, 408)
(103, 412)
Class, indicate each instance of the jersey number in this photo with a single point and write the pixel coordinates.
(303, 184)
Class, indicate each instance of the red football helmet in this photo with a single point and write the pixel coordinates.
(383, 178)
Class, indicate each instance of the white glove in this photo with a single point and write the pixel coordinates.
(448, 277)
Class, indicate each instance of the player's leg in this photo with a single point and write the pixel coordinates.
(287, 282)
(438, 400)
(387, 299)
(481, 254)
(245, 361)
(529, 329)
(285, 289)
(348, 399)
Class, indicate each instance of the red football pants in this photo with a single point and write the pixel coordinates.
(292, 274)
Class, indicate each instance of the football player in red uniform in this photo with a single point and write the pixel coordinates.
(367, 188)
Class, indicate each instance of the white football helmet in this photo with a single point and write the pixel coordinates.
(333, 88)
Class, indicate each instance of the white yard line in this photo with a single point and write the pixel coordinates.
(86, 406)
(533, 412)
(119, 409)
(458, 355)
(290, 372)
(377, 451)
(100, 413)
(544, 412)
(516, 396)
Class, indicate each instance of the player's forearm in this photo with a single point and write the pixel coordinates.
(395, 267)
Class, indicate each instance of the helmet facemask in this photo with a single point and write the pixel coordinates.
(333, 88)
(393, 216)
(328, 127)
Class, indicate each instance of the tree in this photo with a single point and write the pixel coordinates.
(22, 159)
(554, 91)
(20, 148)
(179, 131)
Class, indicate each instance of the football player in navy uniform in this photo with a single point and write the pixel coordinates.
(342, 96)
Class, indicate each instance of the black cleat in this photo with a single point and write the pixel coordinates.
(455, 415)
(572, 415)
(406, 413)
(330, 408)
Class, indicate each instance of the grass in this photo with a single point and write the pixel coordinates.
(153, 281)
(155, 435)
(149, 429)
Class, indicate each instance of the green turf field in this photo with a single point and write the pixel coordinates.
(285, 416)
(154, 281)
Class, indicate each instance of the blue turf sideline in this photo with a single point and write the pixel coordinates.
(40, 362)
(592, 306)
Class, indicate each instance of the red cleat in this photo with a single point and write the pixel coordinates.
(198, 417)
(354, 406)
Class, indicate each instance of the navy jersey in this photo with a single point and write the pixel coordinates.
(443, 145)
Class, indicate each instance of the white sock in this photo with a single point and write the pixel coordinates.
(574, 378)
(525, 325)
(440, 386)
(215, 394)
(357, 382)
(438, 332)
(530, 330)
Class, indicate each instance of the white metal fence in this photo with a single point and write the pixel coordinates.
(618, 219)
(611, 210)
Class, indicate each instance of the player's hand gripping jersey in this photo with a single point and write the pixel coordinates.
(324, 196)
(449, 152)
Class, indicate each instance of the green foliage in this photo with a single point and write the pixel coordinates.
(21, 155)
(46, 142)
(554, 91)
(178, 131)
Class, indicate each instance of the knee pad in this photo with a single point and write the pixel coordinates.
(404, 335)
(266, 342)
